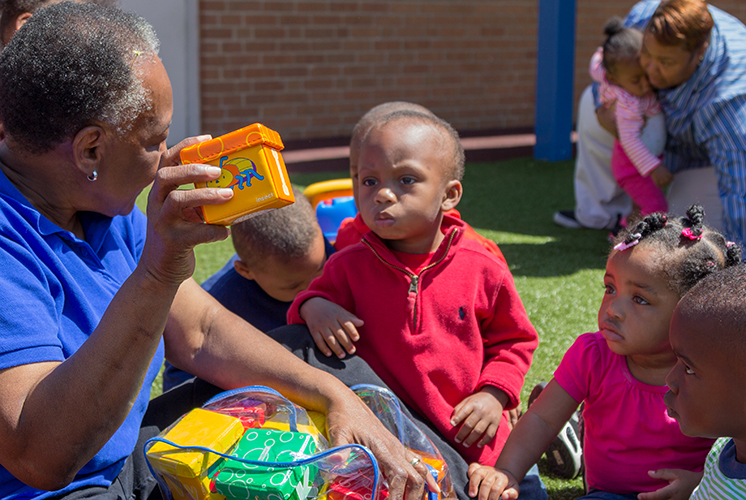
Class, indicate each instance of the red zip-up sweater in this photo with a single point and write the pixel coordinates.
(437, 337)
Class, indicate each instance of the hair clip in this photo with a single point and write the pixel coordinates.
(137, 54)
(623, 245)
(729, 244)
(688, 233)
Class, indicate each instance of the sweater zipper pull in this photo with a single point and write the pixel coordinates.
(413, 279)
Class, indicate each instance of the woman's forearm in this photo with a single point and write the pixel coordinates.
(59, 415)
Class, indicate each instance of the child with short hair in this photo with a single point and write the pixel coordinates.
(278, 253)
(616, 66)
(631, 445)
(352, 230)
(708, 335)
(434, 314)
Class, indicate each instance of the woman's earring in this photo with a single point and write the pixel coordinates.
(93, 176)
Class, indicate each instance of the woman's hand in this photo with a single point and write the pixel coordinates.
(607, 119)
(350, 421)
(175, 224)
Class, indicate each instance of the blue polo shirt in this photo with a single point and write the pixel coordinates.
(55, 288)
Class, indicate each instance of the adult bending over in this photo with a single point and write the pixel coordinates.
(94, 292)
(695, 55)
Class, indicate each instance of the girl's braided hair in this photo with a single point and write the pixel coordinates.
(691, 250)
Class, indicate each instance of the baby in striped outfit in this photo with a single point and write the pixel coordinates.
(636, 163)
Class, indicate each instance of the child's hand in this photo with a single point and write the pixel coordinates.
(332, 327)
(480, 413)
(681, 484)
(491, 483)
(661, 176)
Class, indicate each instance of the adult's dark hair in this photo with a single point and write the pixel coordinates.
(11, 9)
(284, 234)
(688, 250)
(71, 66)
(681, 22)
(622, 44)
(452, 142)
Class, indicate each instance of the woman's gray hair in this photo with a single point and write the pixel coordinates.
(70, 66)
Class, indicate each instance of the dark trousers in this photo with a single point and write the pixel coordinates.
(136, 483)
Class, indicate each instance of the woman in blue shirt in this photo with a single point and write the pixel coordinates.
(94, 293)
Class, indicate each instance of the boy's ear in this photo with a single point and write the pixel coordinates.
(89, 146)
(452, 195)
(242, 269)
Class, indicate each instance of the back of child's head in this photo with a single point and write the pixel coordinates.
(451, 143)
(622, 44)
(283, 234)
(687, 250)
(720, 301)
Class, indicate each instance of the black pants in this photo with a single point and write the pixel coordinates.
(136, 483)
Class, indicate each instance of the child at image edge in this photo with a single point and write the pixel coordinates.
(434, 314)
(631, 445)
(708, 335)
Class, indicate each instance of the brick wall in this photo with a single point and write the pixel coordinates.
(311, 68)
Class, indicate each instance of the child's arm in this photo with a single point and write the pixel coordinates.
(508, 337)
(480, 413)
(530, 438)
(332, 327)
(630, 120)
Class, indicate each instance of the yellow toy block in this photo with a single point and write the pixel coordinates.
(251, 166)
(186, 471)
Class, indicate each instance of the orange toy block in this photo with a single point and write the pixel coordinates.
(251, 166)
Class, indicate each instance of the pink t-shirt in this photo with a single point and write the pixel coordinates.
(627, 429)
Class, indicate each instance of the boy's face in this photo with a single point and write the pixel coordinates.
(284, 280)
(706, 385)
(404, 185)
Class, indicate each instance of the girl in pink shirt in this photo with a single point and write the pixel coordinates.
(632, 447)
(616, 67)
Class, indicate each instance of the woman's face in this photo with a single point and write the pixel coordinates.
(668, 66)
(132, 161)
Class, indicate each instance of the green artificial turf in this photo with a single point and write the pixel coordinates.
(558, 272)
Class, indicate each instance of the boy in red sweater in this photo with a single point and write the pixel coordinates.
(352, 230)
(434, 314)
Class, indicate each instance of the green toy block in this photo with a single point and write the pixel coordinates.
(239, 481)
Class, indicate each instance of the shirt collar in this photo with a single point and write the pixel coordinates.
(46, 227)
